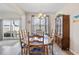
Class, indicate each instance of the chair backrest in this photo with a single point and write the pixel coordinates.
(39, 36)
(39, 32)
(23, 37)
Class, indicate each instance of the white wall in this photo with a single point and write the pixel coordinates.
(72, 9)
(28, 22)
(1, 30)
(23, 22)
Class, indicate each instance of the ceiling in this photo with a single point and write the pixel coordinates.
(11, 9)
(41, 7)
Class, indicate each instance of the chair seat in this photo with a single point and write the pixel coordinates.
(37, 50)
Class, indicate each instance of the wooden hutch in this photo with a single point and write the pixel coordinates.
(62, 31)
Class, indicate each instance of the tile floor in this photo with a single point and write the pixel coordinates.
(58, 51)
(9, 47)
(12, 47)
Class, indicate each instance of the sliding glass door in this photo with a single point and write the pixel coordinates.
(11, 29)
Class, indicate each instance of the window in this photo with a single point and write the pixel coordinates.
(40, 24)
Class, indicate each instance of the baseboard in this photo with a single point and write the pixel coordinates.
(73, 52)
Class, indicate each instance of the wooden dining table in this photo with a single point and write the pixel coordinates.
(39, 42)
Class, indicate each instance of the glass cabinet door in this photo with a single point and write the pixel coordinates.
(59, 26)
(56, 26)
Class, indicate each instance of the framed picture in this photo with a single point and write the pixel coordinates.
(75, 18)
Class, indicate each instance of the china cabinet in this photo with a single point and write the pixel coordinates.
(62, 27)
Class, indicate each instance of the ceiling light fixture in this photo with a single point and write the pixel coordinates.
(41, 15)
